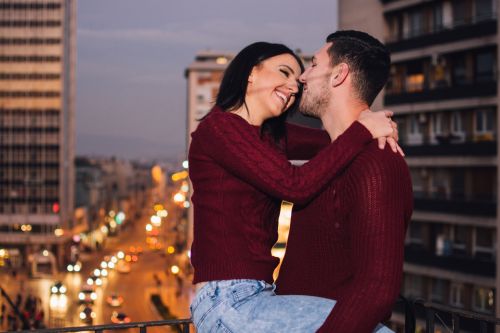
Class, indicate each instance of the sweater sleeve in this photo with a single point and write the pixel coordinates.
(380, 187)
(303, 143)
(237, 147)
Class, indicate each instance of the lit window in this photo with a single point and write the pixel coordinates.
(484, 299)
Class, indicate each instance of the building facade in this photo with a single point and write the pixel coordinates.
(443, 89)
(37, 93)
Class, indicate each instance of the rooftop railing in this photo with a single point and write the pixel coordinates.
(442, 318)
(436, 318)
(178, 325)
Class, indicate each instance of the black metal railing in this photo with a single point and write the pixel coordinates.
(434, 315)
(181, 325)
(478, 27)
(469, 90)
(442, 318)
(454, 320)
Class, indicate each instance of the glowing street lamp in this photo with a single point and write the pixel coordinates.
(179, 197)
(155, 220)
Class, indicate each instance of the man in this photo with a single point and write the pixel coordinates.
(347, 244)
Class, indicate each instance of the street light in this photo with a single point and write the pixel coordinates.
(155, 220)
(175, 269)
(179, 197)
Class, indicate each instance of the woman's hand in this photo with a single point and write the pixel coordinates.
(382, 128)
(378, 123)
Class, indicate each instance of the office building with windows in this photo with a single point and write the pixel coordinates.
(37, 75)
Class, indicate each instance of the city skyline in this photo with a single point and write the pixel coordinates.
(131, 89)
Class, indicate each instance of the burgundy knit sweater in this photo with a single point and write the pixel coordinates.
(348, 243)
(238, 182)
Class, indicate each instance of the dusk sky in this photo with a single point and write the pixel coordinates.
(131, 90)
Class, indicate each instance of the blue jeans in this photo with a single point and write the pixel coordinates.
(250, 306)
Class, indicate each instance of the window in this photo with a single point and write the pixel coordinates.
(415, 233)
(460, 240)
(437, 126)
(416, 23)
(413, 286)
(485, 66)
(483, 124)
(415, 130)
(484, 10)
(462, 11)
(438, 290)
(459, 70)
(457, 130)
(438, 17)
(415, 78)
(484, 243)
(457, 295)
(484, 299)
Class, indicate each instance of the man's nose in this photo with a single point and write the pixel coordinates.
(302, 78)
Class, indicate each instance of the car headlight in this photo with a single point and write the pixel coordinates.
(77, 268)
(69, 268)
(53, 289)
(93, 296)
(93, 315)
(98, 282)
(90, 281)
(81, 296)
(62, 290)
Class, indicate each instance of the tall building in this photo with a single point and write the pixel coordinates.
(37, 93)
(444, 92)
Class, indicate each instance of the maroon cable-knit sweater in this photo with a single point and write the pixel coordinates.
(348, 243)
(238, 182)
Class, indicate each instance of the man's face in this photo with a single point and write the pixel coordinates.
(316, 81)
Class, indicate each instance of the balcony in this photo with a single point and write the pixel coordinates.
(446, 93)
(477, 29)
(486, 208)
(468, 265)
(444, 148)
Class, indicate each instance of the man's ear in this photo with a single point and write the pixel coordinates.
(339, 74)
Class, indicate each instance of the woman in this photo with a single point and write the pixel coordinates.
(240, 172)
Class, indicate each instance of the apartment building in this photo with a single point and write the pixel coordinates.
(443, 89)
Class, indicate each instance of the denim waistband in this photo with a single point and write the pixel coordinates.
(223, 284)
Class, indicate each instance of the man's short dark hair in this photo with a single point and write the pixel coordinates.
(367, 58)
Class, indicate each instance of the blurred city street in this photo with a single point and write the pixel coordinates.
(151, 274)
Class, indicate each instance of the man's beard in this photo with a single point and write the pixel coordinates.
(314, 105)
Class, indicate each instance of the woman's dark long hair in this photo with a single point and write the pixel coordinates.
(233, 87)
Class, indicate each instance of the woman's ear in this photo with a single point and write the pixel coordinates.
(251, 76)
